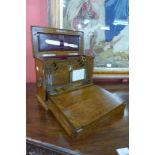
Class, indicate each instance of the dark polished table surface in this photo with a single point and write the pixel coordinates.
(42, 127)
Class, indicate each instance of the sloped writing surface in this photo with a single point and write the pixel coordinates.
(84, 106)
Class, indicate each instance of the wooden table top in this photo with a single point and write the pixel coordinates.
(104, 140)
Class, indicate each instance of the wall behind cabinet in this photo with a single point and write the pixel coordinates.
(37, 15)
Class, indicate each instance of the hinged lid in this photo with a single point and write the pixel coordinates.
(52, 42)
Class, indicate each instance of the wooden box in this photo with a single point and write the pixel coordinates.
(64, 81)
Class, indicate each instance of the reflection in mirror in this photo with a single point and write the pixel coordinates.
(58, 43)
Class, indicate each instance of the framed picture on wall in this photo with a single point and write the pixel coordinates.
(105, 26)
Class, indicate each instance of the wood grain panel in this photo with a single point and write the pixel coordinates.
(83, 108)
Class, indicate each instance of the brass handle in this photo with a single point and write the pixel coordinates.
(82, 61)
(39, 82)
(55, 66)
